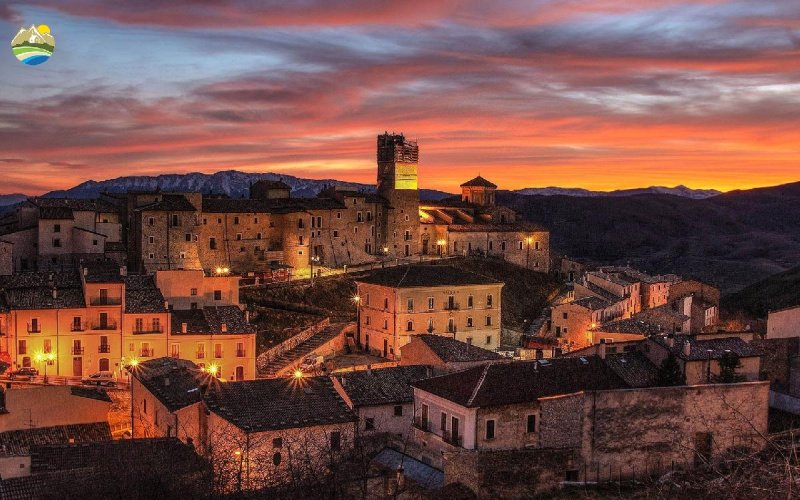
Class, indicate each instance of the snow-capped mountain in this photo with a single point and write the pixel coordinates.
(682, 191)
(231, 182)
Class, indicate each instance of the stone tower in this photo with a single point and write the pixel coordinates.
(397, 183)
(479, 191)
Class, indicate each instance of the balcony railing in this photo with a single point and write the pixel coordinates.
(448, 438)
(200, 355)
(105, 348)
(146, 353)
(152, 329)
(110, 325)
(34, 328)
(240, 353)
(452, 307)
(218, 354)
(175, 354)
(421, 424)
(77, 351)
(77, 328)
(106, 301)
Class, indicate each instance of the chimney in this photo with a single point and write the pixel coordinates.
(224, 328)
(166, 305)
(601, 349)
(247, 316)
(86, 271)
(670, 340)
(123, 271)
(687, 348)
(166, 381)
(184, 327)
(55, 293)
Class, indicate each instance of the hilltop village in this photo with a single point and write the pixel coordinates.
(142, 329)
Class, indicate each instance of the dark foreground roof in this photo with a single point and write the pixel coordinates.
(174, 382)
(703, 349)
(271, 404)
(453, 351)
(210, 320)
(19, 442)
(634, 368)
(383, 386)
(142, 295)
(497, 384)
(425, 275)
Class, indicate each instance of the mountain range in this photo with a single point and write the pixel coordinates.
(681, 191)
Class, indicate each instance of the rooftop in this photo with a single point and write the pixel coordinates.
(498, 384)
(142, 295)
(382, 386)
(450, 350)
(592, 303)
(703, 349)
(210, 320)
(479, 182)
(19, 442)
(169, 203)
(282, 403)
(174, 382)
(634, 368)
(424, 275)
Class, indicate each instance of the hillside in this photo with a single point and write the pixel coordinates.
(775, 292)
(732, 240)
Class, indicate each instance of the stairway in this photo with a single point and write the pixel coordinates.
(295, 355)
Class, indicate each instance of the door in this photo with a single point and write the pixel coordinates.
(103, 296)
(104, 321)
(77, 350)
(77, 366)
(104, 365)
(425, 246)
(240, 373)
(454, 430)
(385, 347)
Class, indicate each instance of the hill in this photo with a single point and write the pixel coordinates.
(676, 191)
(775, 292)
(732, 240)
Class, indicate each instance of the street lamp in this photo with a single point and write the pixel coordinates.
(357, 300)
(314, 260)
(48, 359)
(528, 253)
(441, 244)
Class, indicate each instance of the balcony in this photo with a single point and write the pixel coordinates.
(175, 354)
(146, 353)
(421, 424)
(241, 353)
(77, 351)
(452, 307)
(77, 328)
(154, 329)
(106, 301)
(104, 348)
(108, 325)
(218, 355)
(451, 440)
(34, 328)
(200, 354)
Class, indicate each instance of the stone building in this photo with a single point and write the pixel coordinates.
(397, 303)
(547, 421)
(784, 323)
(58, 233)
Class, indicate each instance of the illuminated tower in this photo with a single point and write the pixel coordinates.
(397, 183)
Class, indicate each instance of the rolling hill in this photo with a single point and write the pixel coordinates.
(775, 292)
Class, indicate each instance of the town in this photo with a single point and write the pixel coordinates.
(361, 344)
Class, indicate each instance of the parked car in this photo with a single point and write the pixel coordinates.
(311, 364)
(100, 378)
(23, 373)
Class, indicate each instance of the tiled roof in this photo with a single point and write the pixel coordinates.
(56, 213)
(632, 326)
(169, 203)
(230, 205)
(424, 275)
(174, 382)
(703, 349)
(592, 303)
(142, 295)
(90, 393)
(268, 184)
(80, 205)
(383, 386)
(453, 351)
(103, 272)
(19, 442)
(505, 383)
(511, 227)
(210, 320)
(634, 368)
(602, 292)
(479, 182)
(42, 298)
(283, 403)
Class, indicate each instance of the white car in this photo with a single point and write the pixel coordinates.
(100, 378)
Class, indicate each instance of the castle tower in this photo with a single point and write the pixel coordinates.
(397, 183)
(478, 191)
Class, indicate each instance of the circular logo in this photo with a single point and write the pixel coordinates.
(33, 45)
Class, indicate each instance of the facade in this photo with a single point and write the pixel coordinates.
(399, 302)
(48, 406)
(100, 318)
(57, 233)
(784, 323)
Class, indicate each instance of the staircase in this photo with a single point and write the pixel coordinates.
(287, 360)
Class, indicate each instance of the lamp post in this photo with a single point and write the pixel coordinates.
(441, 244)
(314, 259)
(131, 366)
(528, 253)
(357, 300)
(48, 359)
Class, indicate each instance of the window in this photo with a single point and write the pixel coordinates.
(259, 236)
(212, 243)
(217, 351)
(57, 228)
(398, 410)
(369, 424)
(138, 325)
(175, 220)
(182, 255)
(175, 352)
(48, 346)
(488, 321)
(188, 236)
(217, 294)
(23, 347)
(151, 221)
(385, 324)
(300, 224)
(488, 339)
(565, 315)
(443, 422)
(236, 221)
(410, 305)
(469, 340)
(520, 245)
(255, 220)
(151, 256)
(430, 303)
(151, 239)
(335, 233)
(300, 240)
(94, 242)
(276, 458)
(240, 350)
(56, 242)
(194, 292)
(336, 441)
(536, 245)
(451, 325)
(238, 236)
(144, 405)
(469, 302)
(410, 326)
(490, 429)
(385, 304)
(469, 322)
(565, 330)
(156, 325)
(489, 300)
(35, 326)
(277, 442)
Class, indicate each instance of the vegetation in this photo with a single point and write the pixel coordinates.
(728, 364)
(775, 292)
(669, 373)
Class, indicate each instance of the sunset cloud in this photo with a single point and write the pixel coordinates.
(615, 94)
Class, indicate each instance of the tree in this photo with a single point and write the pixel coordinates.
(669, 373)
(728, 364)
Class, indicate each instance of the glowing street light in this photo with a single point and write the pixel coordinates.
(298, 373)
(314, 260)
(213, 369)
(47, 358)
(357, 300)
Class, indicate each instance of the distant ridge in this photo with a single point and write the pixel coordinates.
(682, 191)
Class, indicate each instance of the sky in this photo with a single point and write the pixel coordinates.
(599, 94)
